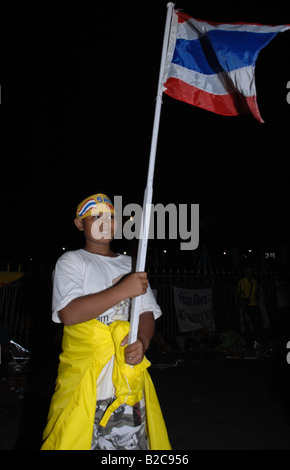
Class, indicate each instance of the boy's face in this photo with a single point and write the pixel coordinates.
(98, 228)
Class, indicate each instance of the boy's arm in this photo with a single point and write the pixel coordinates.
(134, 353)
(146, 329)
(90, 306)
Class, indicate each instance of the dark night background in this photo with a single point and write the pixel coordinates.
(78, 85)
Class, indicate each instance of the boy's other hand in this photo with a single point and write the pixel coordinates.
(134, 353)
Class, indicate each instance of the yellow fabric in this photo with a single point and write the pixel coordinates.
(245, 289)
(87, 347)
(94, 205)
(8, 277)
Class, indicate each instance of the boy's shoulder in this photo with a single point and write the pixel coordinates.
(71, 256)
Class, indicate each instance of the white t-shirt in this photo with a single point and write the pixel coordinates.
(79, 273)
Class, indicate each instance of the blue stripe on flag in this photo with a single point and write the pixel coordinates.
(225, 50)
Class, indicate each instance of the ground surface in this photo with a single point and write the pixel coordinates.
(209, 402)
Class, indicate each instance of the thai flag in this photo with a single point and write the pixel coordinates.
(212, 65)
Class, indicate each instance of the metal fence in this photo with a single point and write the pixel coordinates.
(25, 306)
(225, 303)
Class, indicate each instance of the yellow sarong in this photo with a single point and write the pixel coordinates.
(87, 347)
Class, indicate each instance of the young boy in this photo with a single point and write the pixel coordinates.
(104, 397)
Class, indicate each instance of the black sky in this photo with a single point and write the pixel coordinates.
(78, 85)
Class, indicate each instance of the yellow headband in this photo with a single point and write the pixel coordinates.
(94, 205)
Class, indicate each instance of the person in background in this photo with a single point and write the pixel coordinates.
(248, 293)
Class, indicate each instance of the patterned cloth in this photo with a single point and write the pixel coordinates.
(125, 429)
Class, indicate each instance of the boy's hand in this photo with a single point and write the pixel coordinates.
(134, 284)
(134, 353)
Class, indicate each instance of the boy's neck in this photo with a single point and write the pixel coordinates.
(100, 249)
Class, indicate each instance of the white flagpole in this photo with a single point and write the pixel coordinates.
(144, 230)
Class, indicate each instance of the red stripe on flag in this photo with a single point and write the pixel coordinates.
(231, 104)
(183, 17)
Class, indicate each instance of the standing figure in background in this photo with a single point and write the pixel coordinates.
(248, 292)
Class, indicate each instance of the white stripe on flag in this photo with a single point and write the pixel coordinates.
(242, 80)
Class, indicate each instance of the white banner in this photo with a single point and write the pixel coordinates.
(193, 309)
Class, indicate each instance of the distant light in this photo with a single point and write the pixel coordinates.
(63, 248)
(224, 253)
(124, 252)
(131, 218)
(164, 251)
(250, 251)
